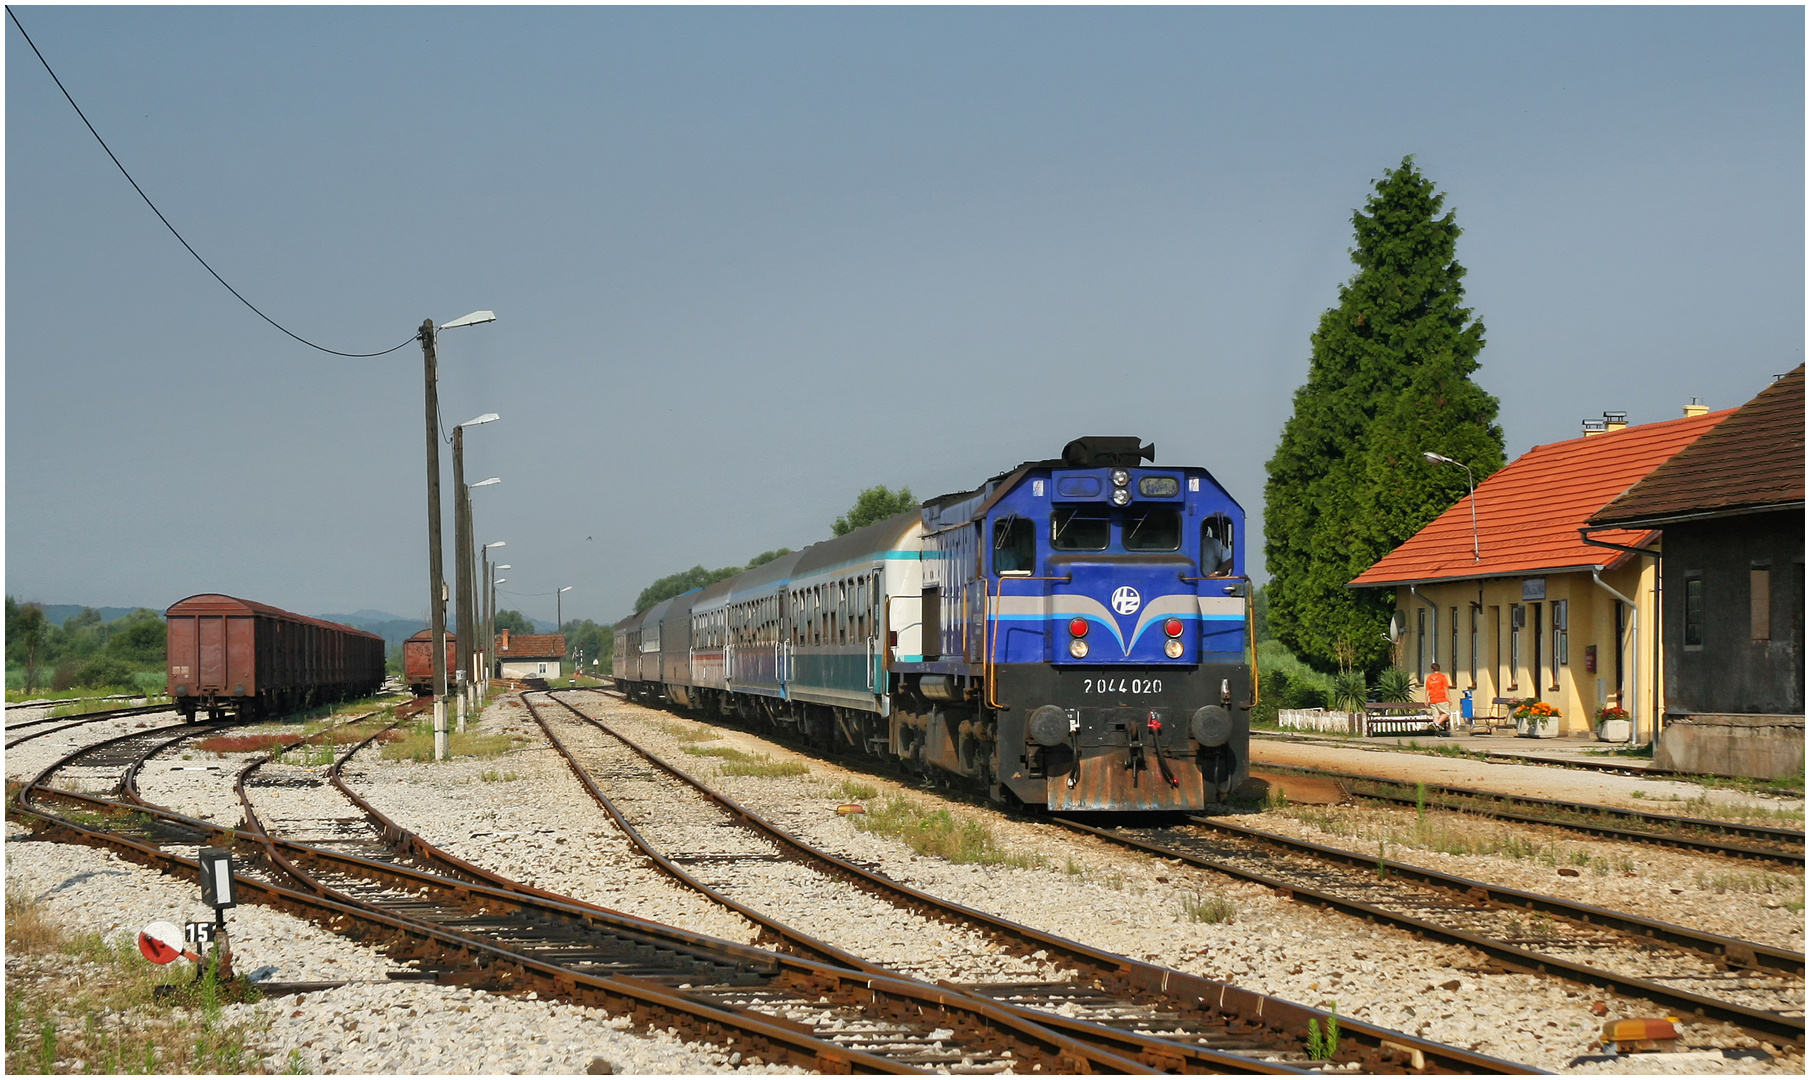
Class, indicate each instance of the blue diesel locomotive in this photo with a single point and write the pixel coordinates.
(1073, 634)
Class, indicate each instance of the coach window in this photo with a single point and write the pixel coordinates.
(1216, 540)
(1014, 546)
(1153, 528)
(1080, 528)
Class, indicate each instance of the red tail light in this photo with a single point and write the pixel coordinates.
(1077, 627)
(1173, 627)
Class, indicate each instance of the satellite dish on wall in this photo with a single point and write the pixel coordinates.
(1397, 626)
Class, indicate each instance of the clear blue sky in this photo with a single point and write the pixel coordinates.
(747, 262)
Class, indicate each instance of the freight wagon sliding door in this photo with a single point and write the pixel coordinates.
(210, 632)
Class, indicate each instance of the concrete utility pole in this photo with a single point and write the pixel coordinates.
(462, 553)
(436, 582)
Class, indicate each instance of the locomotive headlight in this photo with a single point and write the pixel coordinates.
(1172, 649)
(1120, 478)
(1077, 627)
(1172, 627)
(1077, 649)
(1120, 497)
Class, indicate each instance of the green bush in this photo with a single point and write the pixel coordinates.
(1395, 684)
(1349, 691)
(104, 671)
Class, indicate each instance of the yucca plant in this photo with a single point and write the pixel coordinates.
(1349, 691)
(1395, 684)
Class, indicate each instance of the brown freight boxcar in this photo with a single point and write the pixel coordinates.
(418, 662)
(251, 659)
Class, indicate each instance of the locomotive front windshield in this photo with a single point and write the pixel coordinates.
(1089, 528)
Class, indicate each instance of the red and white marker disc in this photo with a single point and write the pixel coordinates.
(161, 942)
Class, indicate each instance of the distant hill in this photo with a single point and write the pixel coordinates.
(393, 629)
(57, 613)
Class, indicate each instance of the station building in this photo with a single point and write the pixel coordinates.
(1525, 603)
(1731, 506)
(530, 656)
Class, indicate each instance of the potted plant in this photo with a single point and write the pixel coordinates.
(1536, 719)
(1613, 724)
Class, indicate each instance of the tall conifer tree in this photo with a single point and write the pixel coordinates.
(1389, 378)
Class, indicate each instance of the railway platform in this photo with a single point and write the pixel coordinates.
(1568, 769)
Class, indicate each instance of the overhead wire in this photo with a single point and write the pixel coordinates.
(166, 221)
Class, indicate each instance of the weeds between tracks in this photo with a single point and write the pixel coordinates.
(79, 1003)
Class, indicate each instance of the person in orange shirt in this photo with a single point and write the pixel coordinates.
(1439, 697)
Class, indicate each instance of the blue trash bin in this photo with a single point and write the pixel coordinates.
(1465, 708)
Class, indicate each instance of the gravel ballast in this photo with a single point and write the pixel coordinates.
(525, 816)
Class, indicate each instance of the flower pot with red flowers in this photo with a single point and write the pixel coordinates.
(1613, 724)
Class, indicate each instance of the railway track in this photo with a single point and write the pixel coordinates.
(1753, 986)
(1733, 839)
(46, 725)
(468, 932)
(1120, 1000)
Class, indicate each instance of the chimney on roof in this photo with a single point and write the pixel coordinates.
(505, 646)
(1593, 427)
(1614, 421)
(1696, 407)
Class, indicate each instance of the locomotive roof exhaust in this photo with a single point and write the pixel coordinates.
(1097, 451)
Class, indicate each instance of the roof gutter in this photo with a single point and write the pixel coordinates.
(1583, 533)
(1702, 515)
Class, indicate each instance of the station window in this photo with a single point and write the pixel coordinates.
(1080, 528)
(1014, 546)
(1216, 539)
(1759, 602)
(1153, 528)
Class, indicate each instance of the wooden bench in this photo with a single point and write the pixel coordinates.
(1398, 718)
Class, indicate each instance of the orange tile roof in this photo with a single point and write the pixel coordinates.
(1529, 513)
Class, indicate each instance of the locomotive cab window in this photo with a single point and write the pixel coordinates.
(1153, 528)
(1216, 539)
(1014, 546)
(1080, 528)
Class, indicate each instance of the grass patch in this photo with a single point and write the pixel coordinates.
(1626, 752)
(741, 763)
(491, 776)
(1457, 834)
(1202, 908)
(943, 835)
(693, 732)
(727, 753)
(79, 1003)
(418, 745)
(854, 790)
(764, 767)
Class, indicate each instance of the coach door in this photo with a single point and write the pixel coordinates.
(871, 623)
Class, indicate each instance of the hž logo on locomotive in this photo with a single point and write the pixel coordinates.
(1071, 634)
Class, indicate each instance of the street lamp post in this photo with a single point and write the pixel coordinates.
(499, 655)
(476, 648)
(436, 581)
(490, 626)
(1476, 548)
(558, 626)
(463, 584)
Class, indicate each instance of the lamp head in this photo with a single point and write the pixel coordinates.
(485, 419)
(1437, 458)
(568, 588)
(504, 566)
(487, 483)
(499, 543)
(473, 319)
